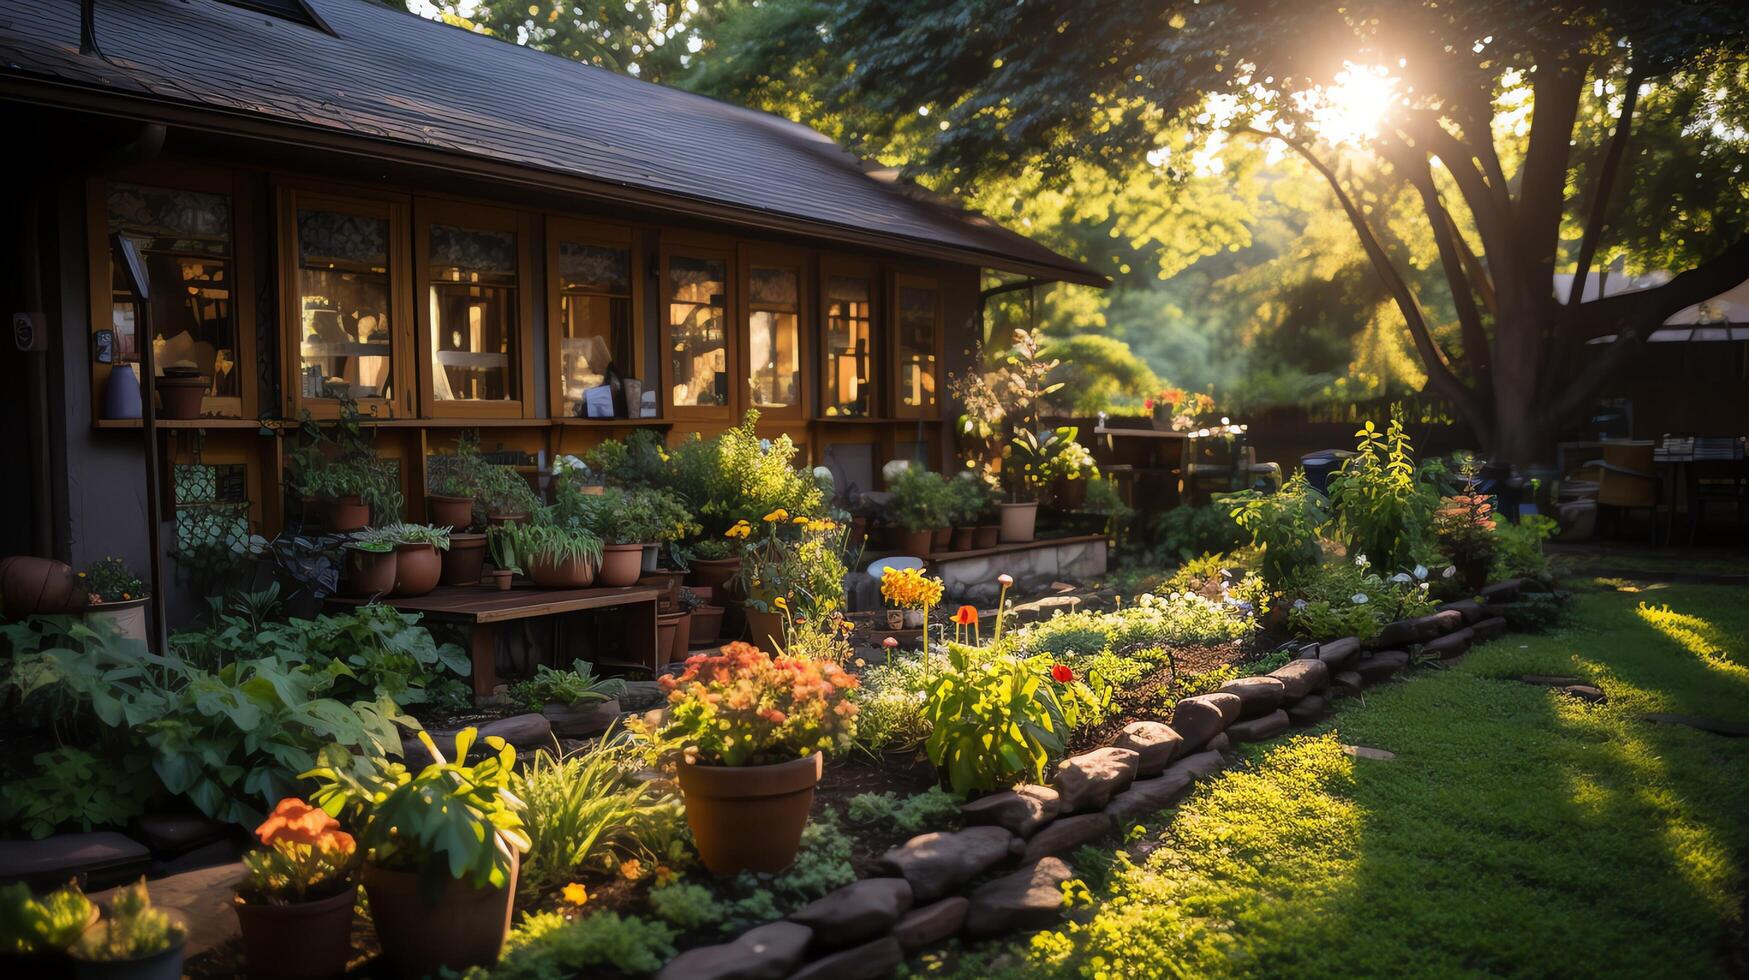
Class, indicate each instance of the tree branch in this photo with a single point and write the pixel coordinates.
(1618, 144)
(1476, 350)
(1542, 190)
(1493, 212)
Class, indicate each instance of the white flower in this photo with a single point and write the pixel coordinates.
(1423, 586)
(1420, 571)
(1401, 578)
(1450, 570)
(1299, 603)
(1361, 562)
(1226, 574)
(1359, 598)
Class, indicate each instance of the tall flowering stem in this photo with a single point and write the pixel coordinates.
(1006, 580)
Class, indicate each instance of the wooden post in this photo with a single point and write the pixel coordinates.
(129, 258)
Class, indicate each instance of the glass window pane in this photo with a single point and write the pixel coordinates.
(184, 239)
(848, 341)
(595, 318)
(916, 344)
(697, 317)
(473, 314)
(774, 337)
(343, 293)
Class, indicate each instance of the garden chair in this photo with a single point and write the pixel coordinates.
(1626, 481)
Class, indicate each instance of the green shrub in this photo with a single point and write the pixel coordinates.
(585, 812)
(1382, 507)
(1518, 548)
(73, 789)
(547, 946)
(922, 500)
(889, 703)
(1184, 532)
(568, 687)
(685, 905)
(932, 809)
(738, 476)
(1284, 526)
(994, 719)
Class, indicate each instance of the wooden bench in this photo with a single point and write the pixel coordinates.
(483, 611)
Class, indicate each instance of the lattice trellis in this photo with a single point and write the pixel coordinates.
(212, 504)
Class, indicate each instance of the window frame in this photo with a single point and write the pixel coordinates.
(708, 250)
(765, 255)
(187, 176)
(560, 229)
(438, 211)
(831, 266)
(394, 208)
(896, 281)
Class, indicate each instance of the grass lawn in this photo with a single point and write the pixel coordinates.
(1518, 831)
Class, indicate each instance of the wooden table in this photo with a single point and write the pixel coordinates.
(482, 611)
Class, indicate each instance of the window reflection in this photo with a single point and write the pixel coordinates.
(595, 318)
(473, 314)
(343, 288)
(918, 324)
(774, 336)
(697, 317)
(847, 346)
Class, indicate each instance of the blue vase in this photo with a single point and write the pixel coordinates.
(121, 396)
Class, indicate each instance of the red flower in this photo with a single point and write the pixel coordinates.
(1148, 403)
(1062, 674)
(966, 616)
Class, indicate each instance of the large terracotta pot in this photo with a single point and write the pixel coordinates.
(917, 544)
(667, 581)
(621, 565)
(765, 631)
(465, 560)
(713, 573)
(348, 513)
(369, 572)
(499, 520)
(418, 567)
(306, 940)
(455, 513)
(31, 586)
(987, 536)
(1019, 521)
(127, 618)
(941, 539)
(667, 636)
(707, 626)
(1069, 494)
(464, 927)
(180, 398)
(963, 538)
(577, 573)
(749, 818)
(682, 638)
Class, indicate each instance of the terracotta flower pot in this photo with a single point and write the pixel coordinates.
(707, 626)
(464, 927)
(666, 580)
(917, 544)
(576, 573)
(713, 573)
(348, 513)
(987, 536)
(501, 579)
(33, 586)
(455, 513)
(166, 965)
(180, 398)
(1019, 521)
(465, 559)
(749, 818)
(499, 520)
(963, 538)
(1069, 494)
(127, 618)
(306, 940)
(940, 539)
(765, 631)
(418, 567)
(667, 635)
(682, 638)
(369, 572)
(621, 565)
(704, 592)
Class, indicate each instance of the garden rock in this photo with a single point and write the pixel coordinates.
(1021, 811)
(1154, 744)
(1257, 695)
(768, 952)
(1548, 680)
(1067, 834)
(1088, 781)
(1729, 729)
(1259, 729)
(1584, 692)
(1308, 709)
(1220, 743)
(1147, 796)
(1300, 678)
(1492, 628)
(170, 834)
(939, 862)
(1198, 719)
(524, 731)
(1363, 752)
(104, 856)
(1346, 682)
(856, 913)
(1451, 645)
(865, 962)
(1420, 629)
(1025, 901)
(1199, 766)
(1500, 593)
(1469, 609)
(1381, 666)
(1339, 654)
(931, 924)
(583, 719)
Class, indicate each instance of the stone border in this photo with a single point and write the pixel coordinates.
(866, 928)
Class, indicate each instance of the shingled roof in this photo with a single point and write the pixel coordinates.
(399, 85)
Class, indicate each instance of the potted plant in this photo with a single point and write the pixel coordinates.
(971, 500)
(418, 562)
(576, 702)
(1464, 527)
(134, 942)
(706, 625)
(180, 391)
(368, 566)
(115, 598)
(1003, 409)
(294, 906)
(789, 569)
(36, 933)
(715, 562)
(626, 521)
(751, 733)
(440, 850)
(501, 542)
(456, 482)
(1068, 469)
(338, 466)
(921, 506)
(558, 557)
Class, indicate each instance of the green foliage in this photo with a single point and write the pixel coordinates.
(631, 516)
(1184, 532)
(1518, 548)
(922, 500)
(889, 710)
(72, 789)
(337, 459)
(685, 905)
(586, 812)
(568, 687)
(972, 501)
(996, 719)
(548, 946)
(1381, 507)
(1068, 459)
(398, 533)
(932, 809)
(738, 476)
(132, 930)
(1101, 372)
(109, 580)
(1346, 598)
(495, 489)
(540, 541)
(1537, 612)
(1285, 526)
(822, 865)
(41, 925)
(1103, 498)
(641, 460)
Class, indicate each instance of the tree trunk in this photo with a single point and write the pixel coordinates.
(1523, 432)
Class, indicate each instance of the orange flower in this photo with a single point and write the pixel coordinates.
(631, 869)
(966, 616)
(576, 894)
(296, 822)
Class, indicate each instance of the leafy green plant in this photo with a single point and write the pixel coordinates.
(922, 500)
(932, 809)
(1381, 507)
(337, 459)
(995, 718)
(305, 857)
(1346, 598)
(396, 534)
(133, 930)
(1070, 460)
(1518, 548)
(791, 565)
(738, 476)
(585, 812)
(686, 905)
(552, 543)
(972, 501)
(72, 789)
(548, 946)
(109, 580)
(579, 685)
(632, 516)
(451, 821)
(641, 460)
(42, 925)
(1184, 532)
(501, 545)
(1285, 525)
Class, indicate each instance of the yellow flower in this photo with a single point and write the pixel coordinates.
(576, 894)
(801, 519)
(777, 515)
(909, 588)
(781, 603)
(740, 530)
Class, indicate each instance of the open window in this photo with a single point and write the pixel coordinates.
(698, 359)
(847, 293)
(595, 297)
(474, 312)
(916, 347)
(775, 286)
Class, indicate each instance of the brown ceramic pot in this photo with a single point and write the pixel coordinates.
(667, 581)
(455, 513)
(621, 565)
(369, 572)
(987, 536)
(501, 579)
(306, 940)
(418, 567)
(1019, 522)
(465, 560)
(498, 520)
(180, 398)
(682, 637)
(707, 626)
(667, 635)
(32, 586)
(765, 631)
(577, 573)
(963, 538)
(749, 818)
(464, 927)
(940, 539)
(713, 573)
(1069, 494)
(348, 513)
(917, 544)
